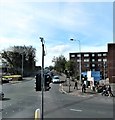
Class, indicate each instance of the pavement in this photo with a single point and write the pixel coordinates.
(68, 88)
(24, 79)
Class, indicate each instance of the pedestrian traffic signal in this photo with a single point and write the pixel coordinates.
(38, 82)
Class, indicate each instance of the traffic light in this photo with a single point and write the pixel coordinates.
(38, 82)
(47, 82)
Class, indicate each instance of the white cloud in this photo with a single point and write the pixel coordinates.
(22, 22)
(58, 49)
(7, 42)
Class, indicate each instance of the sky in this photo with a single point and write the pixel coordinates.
(89, 23)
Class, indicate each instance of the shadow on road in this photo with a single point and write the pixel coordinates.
(4, 99)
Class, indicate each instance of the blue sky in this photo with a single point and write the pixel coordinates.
(22, 23)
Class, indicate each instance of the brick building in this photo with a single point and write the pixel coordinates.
(111, 62)
(94, 61)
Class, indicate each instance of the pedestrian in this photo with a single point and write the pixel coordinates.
(76, 85)
(104, 92)
(83, 88)
(110, 91)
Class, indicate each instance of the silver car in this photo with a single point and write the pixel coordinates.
(56, 79)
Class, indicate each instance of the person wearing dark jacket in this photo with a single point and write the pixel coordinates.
(110, 91)
(83, 88)
(76, 85)
(104, 88)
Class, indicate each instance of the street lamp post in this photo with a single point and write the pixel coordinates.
(22, 64)
(79, 57)
(104, 69)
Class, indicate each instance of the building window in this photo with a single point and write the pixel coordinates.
(93, 65)
(78, 60)
(86, 55)
(104, 60)
(72, 55)
(99, 54)
(78, 55)
(99, 60)
(86, 60)
(104, 54)
(93, 55)
(93, 60)
(86, 65)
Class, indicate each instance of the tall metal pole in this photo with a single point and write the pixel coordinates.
(22, 63)
(79, 58)
(42, 82)
(104, 70)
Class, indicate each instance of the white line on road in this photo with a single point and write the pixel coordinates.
(76, 110)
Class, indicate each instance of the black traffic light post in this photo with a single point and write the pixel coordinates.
(42, 80)
(38, 83)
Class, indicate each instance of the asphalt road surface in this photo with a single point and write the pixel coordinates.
(21, 100)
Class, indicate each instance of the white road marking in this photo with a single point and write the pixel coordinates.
(76, 110)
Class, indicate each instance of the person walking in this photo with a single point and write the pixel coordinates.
(105, 90)
(83, 88)
(76, 85)
(110, 91)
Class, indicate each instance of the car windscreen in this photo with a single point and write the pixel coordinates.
(56, 77)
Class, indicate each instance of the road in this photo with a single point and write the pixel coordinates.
(21, 101)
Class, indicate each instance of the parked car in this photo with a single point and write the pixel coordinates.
(1, 95)
(56, 79)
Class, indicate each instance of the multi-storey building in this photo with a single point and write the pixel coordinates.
(111, 62)
(91, 61)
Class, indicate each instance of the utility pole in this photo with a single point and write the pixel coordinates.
(42, 79)
(22, 64)
(80, 59)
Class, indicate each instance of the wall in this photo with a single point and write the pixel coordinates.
(111, 62)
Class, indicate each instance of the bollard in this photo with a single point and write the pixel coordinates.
(37, 114)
